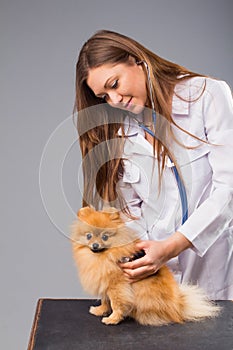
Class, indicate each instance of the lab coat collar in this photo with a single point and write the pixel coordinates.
(135, 137)
(131, 127)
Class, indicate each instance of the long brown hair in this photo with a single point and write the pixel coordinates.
(103, 165)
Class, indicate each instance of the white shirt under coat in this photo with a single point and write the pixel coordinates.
(207, 172)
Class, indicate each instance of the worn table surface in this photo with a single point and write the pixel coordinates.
(65, 324)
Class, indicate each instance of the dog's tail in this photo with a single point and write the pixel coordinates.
(196, 305)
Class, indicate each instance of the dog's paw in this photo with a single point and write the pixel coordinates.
(98, 310)
(111, 320)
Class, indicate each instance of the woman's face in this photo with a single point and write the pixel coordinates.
(122, 85)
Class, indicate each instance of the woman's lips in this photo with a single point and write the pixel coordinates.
(127, 105)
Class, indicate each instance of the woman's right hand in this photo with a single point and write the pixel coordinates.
(157, 253)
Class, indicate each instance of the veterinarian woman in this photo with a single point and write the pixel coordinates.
(158, 143)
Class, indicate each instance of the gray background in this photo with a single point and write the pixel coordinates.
(40, 41)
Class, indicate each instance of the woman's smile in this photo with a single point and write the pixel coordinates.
(128, 104)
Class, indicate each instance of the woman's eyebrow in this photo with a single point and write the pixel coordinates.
(106, 83)
(105, 86)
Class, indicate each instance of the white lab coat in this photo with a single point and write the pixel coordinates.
(207, 172)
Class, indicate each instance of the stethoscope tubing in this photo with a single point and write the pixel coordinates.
(180, 184)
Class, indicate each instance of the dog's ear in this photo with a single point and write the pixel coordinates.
(115, 216)
(84, 212)
(113, 212)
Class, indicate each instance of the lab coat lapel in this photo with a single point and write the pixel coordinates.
(137, 144)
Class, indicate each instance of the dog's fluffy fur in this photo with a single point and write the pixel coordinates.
(99, 241)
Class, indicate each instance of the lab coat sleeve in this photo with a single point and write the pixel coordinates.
(215, 215)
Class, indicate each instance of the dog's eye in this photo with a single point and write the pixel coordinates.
(89, 236)
(105, 237)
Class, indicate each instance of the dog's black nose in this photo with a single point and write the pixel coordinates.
(95, 246)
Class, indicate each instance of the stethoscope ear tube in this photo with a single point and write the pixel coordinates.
(149, 83)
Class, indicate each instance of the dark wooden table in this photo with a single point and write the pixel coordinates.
(65, 324)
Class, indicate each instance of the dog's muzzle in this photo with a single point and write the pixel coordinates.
(95, 248)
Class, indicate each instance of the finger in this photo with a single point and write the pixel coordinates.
(143, 245)
(140, 273)
(135, 264)
(125, 265)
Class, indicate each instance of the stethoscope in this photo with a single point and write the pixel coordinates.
(180, 185)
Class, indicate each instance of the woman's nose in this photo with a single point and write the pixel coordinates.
(114, 97)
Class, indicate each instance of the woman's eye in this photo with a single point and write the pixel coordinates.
(105, 237)
(89, 236)
(115, 84)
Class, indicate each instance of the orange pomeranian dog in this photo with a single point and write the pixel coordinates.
(100, 239)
